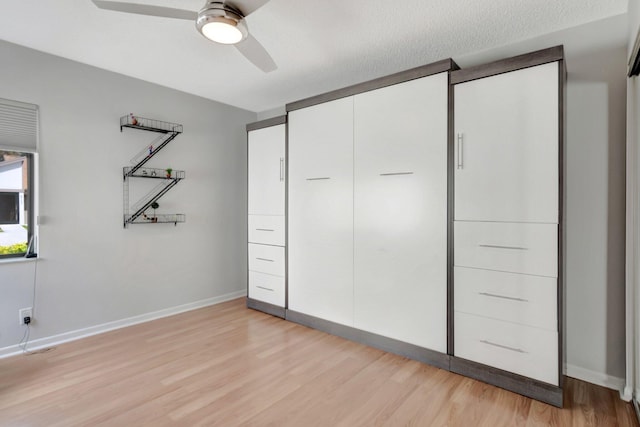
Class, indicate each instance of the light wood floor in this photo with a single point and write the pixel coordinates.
(227, 365)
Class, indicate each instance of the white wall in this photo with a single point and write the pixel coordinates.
(92, 271)
(275, 112)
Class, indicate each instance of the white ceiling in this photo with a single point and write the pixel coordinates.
(319, 45)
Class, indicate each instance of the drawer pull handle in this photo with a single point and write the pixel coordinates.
(281, 169)
(396, 173)
(266, 289)
(486, 294)
(265, 259)
(264, 229)
(517, 248)
(506, 347)
(318, 179)
(459, 159)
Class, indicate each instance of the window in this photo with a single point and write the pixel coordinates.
(18, 140)
(16, 215)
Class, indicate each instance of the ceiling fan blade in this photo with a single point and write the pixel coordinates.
(257, 54)
(144, 9)
(247, 6)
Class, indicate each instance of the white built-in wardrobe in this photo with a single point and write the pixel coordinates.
(266, 224)
(423, 216)
(368, 211)
(507, 214)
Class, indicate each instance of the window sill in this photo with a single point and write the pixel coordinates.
(17, 259)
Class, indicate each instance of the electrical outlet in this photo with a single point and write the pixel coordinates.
(25, 312)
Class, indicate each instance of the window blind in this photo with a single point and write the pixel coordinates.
(18, 126)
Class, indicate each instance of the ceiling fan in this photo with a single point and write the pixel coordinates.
(221, 22)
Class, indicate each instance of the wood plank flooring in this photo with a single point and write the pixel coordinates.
(226, 365)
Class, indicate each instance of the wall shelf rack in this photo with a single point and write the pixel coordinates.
(136, 213)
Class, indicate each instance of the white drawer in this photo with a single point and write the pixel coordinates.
(266, 288)
(518, 298)
(523, 350)
(507, 246)
(266, 229)
(266, 259)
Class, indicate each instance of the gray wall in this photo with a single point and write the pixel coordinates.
(91, 270)
(633, 209)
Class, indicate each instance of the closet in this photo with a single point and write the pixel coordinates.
(507, 220)
(266, 147)
(423, 217)
(368, 209)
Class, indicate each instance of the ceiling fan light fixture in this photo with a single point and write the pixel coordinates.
(222, 30)
(221, 23)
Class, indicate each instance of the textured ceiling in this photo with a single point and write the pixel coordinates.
(318, 45)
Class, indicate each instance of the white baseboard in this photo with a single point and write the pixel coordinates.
(54, 340)
(597, 378)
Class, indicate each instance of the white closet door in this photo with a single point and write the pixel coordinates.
(321, 211)
(266, 170)
(400, 211)
(506, 129)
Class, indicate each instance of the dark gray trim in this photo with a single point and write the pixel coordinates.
(529, 387)
(286, 215)
(403, 76)
(634, 58)
(527, 60)
(265, 307)
(450, 215)
(247, 214)
(562, 78)
(411, 351)
(274, 121)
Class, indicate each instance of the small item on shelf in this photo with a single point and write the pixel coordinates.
(153, 218)
(150, 149)
(144, 172)
(153, 173)
(169, 170)
(134, 121)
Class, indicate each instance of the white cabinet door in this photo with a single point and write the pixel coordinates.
(266, 170)
(532, 352)
(510, 247)
(517, 298)
(400, 211)
(267, 229)
(321, 211)
(506, 129)
(267, 288)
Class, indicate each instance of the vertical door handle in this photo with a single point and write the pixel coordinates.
(459, 159)
(281, 168)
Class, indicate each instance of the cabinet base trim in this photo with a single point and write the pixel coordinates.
(509, 381)
(265, 307)
(411, 351)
